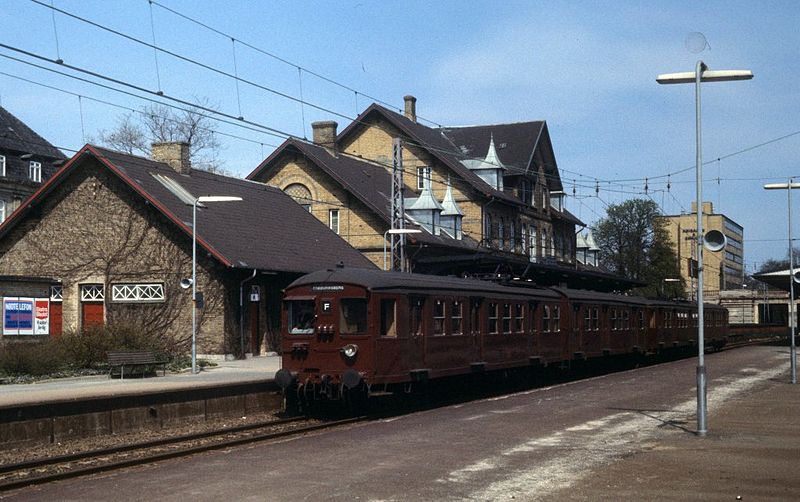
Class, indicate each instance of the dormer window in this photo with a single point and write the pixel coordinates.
(35, 171)
(557, 201)
(423, 177)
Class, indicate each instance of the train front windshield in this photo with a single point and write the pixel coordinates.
(301, 317)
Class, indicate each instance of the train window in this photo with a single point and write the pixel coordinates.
(352, 315)
(492, 318)
(301, 317)
(506, 318)
(556, 322)
(641, 319)
(595, 319)
(415, 326)
(626, 319)
(475, 316)
(614, 319)
(546, 319)
(455, 318)
(587, 319)
(438, 317)
(518, 318)
(388, 316)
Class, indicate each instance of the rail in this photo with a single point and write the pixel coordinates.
(41, 471)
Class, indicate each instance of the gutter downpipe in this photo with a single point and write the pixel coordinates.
(241, 312)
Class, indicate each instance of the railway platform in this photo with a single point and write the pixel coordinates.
(54, 410)
(240, 371)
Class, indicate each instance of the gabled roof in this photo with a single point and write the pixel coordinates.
(435, 143)
(515, 144)
(267, 230)
(369, 183)
(16, 136)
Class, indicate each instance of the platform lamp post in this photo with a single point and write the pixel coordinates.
(200, 200)
(792, 351)
(701, 74)
(396, 231)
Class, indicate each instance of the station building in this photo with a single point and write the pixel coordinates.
(487, 199)
(108, 239)
(27, 160)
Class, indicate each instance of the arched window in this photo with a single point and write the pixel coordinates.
(301, 194)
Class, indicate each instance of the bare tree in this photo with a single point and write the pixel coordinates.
(136, 131)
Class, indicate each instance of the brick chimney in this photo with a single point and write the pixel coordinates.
(325, 134)
(173, 153)
(411, 108)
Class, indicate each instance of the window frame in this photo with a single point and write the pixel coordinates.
(423, 177)
(35, 171)
(145, 292)
(331, 214)
(439, 317)
(3, 166)
(456, 317)
(493, 316)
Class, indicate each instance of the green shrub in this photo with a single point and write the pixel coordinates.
(32, 358)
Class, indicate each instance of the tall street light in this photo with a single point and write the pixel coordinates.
(701, 74)
(792, 351)
(199, 200)
(396, 231)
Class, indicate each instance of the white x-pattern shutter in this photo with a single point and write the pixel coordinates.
(92, 293)
(137, 292)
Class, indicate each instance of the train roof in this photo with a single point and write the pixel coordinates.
(379, 280)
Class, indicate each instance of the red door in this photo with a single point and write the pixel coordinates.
(92, 314)
(55, 319)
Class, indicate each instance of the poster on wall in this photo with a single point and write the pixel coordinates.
(26, 316)
(41, 320)
(18, 316)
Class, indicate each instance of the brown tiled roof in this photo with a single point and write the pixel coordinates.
(267, 230)
(515, 144)
(16, 136)
(567, 216)
(436, 143)
(369, 182)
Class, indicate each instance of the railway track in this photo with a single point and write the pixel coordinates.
(46, 470)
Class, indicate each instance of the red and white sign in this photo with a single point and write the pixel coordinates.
(41, 322)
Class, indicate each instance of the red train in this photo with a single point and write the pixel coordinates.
(352, 332)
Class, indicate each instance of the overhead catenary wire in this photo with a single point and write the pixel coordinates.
(285, 61)
(303, 102)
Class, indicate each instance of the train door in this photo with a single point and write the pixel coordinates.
(475, 329)
(415, 342)
(392, 334)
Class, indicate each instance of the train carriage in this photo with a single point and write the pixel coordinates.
(350, 332)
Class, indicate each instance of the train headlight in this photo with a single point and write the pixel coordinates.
(350, 350)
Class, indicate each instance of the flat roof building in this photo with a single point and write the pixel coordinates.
(724, 270)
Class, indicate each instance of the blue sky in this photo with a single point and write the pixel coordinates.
(587, 68)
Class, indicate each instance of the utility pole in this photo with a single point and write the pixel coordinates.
(398, 208)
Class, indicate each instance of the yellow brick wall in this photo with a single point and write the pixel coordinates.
(357, 224)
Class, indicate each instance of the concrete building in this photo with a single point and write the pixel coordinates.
(110, 237)
(724, 270)
(26, 161)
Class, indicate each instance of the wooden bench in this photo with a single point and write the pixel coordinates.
(142, 359)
